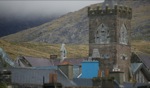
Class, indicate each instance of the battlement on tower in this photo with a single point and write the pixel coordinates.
(120, 11)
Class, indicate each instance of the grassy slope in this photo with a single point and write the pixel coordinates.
(44, 50)
(142, 46)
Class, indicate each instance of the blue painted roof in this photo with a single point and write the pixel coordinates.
(90, 61)
(89, 69)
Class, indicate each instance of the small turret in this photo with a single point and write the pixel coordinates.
(110, 3)
(63, 52)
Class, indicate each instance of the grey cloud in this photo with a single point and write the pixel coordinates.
(43, 8)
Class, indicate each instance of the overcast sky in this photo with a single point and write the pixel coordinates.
(43, 8)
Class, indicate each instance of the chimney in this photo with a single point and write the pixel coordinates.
(52, 78)
(67, 69)
(102, 73)
(52, 57)
(99, 73)
(106, 72)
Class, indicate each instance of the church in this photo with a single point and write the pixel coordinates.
(110, 39)
(109, 56)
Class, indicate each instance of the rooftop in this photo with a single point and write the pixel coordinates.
(35, 76)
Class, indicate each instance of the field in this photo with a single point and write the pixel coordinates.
(45, 50)
(42, 49)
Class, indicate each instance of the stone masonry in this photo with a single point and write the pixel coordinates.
(109, 32)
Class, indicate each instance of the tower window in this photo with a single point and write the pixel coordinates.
(101, 35)
(124, 57)
(123, 35)
(105, 56)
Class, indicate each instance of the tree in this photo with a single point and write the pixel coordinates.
(3, 85)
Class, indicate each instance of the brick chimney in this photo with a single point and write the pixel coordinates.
(67, 69)
(52, 82)
(52, 78)
(106, 72)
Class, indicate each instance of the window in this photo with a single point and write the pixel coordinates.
(105, 56)
(102, 35)
(123, 35)
(124, 57)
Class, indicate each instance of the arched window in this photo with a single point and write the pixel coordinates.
(123, 35)
(102, 35)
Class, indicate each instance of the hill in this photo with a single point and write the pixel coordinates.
(45, 50)
(42, 49)
(73, 27)
(141, 46)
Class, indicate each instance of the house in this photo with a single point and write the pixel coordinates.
(34, 78)
(28, 61)
(140, 67)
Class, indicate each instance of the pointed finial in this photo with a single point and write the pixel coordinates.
(110, 3)
(63, 52)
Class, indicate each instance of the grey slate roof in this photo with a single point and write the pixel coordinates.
(83, 82)
(145, 58)
(130, 85)
(74, 61)
(37, 62)
(35, 76)
(88, 82)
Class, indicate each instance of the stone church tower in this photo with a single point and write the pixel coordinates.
(109, 36)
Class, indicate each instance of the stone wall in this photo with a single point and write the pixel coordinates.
(109, 32)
